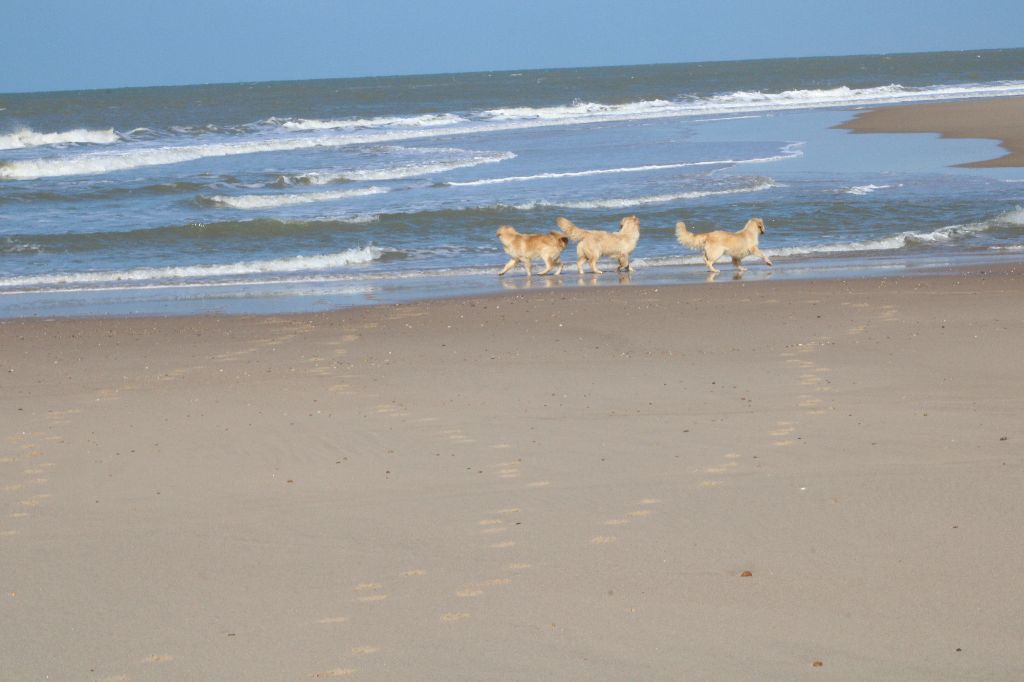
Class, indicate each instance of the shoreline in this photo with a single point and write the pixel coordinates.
(325, 297)
(1000, 119)
(576, 474)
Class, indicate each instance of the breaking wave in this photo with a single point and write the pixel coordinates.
(26, 137)
(644, 200)
(295, 264)
(395, 172)
(256, 201)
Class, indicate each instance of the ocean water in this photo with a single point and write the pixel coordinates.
(297, 196)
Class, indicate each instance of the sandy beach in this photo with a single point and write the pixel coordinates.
(772, 480)
(997, 119)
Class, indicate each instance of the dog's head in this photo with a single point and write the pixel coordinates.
(505, 232)
(758, 223)
(630, 224)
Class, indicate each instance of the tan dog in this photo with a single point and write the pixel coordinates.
(594, 244)
(737, 245)
(522, 248)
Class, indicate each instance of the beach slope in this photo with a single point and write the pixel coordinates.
(748, 481)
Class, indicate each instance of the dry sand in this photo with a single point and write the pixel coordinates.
(562, 485)
(995, 119)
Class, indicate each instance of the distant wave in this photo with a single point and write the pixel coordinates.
(256, 201)
(108, 162)
(644, 200)
(756, 101)
(861, 190)
(26, 137)
(294, 264)
(789, 152)
(423, 121)
(396, 172)
(388, 129)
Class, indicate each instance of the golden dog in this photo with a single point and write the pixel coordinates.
(738, 245)
(522, 248)
(594, 244)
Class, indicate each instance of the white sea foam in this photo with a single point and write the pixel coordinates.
(26, 137)
(256, 201)
(295, 264)
(388, 129)
(892, 242)
(861, 190)
(756, 101)
(400, 172)
(424, 121)
(1014, 217)
(789, 152)
(643, 201)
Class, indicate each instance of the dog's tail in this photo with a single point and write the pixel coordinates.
(689, 239)
(574, 233)
(562, 239)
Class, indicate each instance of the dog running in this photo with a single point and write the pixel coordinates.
(737, 245)
(594, 244)
(523, 248)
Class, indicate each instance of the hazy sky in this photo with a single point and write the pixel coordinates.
(72, 44)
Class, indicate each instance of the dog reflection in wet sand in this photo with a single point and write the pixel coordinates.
(737, 245)
(523, 248)
(594, 244)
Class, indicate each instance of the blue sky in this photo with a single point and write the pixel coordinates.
(68, 44)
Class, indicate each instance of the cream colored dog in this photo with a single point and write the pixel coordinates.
(522, 248)
(594, 244)
(716, 244)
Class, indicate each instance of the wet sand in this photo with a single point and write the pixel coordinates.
(996, 119)
(773, 480)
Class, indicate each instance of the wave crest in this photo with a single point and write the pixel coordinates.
(26, 137)
(295, 264)
(257, 201)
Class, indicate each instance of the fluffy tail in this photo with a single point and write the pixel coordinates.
(574, 233)
(562, 239)
(689, 239)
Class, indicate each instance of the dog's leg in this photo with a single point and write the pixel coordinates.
(558, 261)
(508, 266)
(528, 264)
(548, 264)
(760, 254)
(593, 266)
(710, 263)
(737, 265)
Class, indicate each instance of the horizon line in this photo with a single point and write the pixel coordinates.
(498, 71)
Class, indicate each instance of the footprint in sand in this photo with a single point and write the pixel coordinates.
(370, 587)
(337, 672)
(452, 617)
